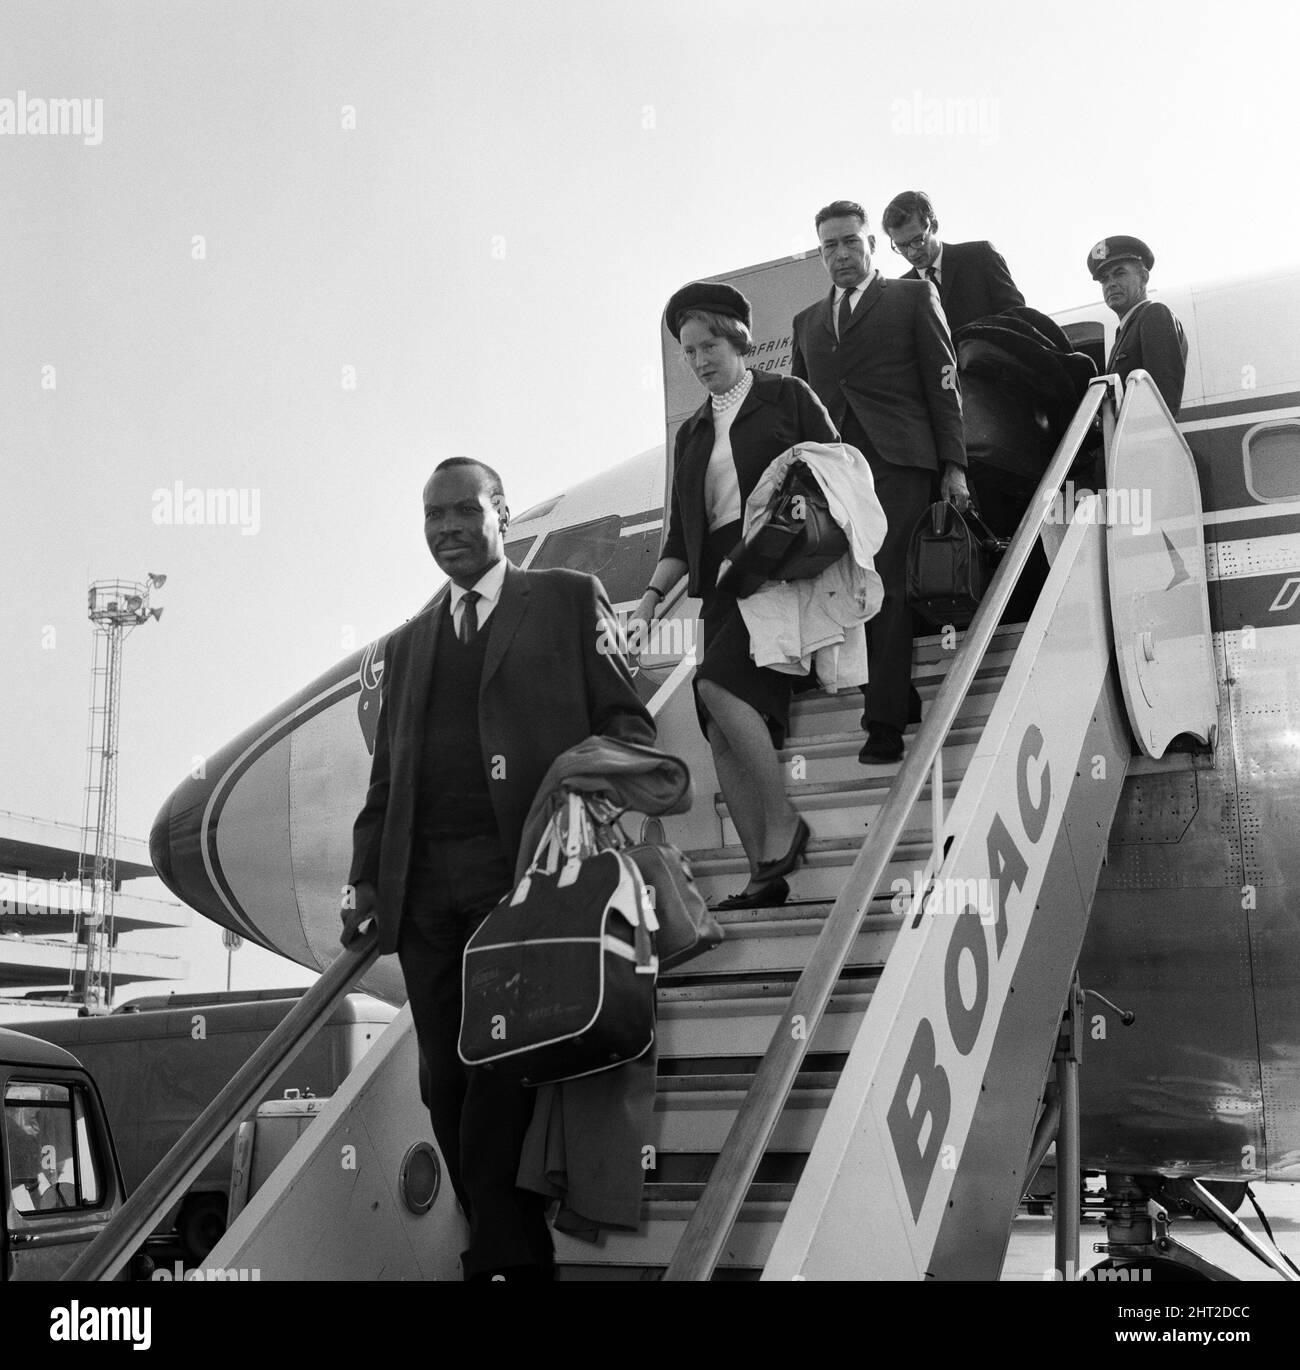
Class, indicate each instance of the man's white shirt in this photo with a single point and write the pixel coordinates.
(488, 586)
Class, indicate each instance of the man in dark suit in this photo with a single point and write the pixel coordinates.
(501, 672)
(879, 355)
(1149, 335)
(972, 278)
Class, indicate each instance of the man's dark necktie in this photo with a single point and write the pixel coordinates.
(845, 314)
(469, 617)
(1114, 347)
(934, 277)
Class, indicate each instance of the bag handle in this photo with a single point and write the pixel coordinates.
(991, 541)
(580, 838)
(942, 510)
(545, 858)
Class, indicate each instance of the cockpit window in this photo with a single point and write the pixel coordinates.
(538, 511)
(1271, 453)
(623, 559)
(517, 549)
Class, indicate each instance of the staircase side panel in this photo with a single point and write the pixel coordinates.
(332, 1209)
(973, 1236)
(876, 1190)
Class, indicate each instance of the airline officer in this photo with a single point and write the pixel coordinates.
(972, 278)
(1149, 335)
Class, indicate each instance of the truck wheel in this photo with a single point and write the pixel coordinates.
(201, 1225)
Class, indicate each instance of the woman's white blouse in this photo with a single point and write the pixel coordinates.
(722, 502)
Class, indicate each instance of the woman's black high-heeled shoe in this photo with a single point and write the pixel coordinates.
(768, 895)
(783, 865)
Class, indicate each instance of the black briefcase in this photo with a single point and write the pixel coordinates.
(950, 561)
(796, 538)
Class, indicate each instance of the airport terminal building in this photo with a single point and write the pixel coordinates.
(42, 940)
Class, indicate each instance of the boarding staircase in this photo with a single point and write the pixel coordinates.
(850, 1085)
(718, 1013)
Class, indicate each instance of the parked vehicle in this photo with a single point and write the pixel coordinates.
(160, 1062)
(62, 1182)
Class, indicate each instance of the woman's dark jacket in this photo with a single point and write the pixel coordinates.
(778, 412)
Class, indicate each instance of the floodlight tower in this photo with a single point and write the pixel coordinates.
(116, 608)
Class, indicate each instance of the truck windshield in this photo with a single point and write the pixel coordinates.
(52, 1163)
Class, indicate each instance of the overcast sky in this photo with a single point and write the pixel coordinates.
(481, 208)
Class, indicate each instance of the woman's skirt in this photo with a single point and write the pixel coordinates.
(726, 660)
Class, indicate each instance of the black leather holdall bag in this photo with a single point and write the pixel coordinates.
(687, 926)
(950, 561)
(795, 538)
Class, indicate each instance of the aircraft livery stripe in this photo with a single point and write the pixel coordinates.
(226, 787)
(1268, 601)
(1192, 416)
(1237, 525)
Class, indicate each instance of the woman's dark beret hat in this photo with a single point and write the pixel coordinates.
(712, 295)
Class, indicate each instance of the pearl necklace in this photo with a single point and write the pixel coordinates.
(730, 398)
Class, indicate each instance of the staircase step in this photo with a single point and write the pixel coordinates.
(721, 871)
(846, 809)
(739, 1020)
(699, 1119)
(821, 760)
(841, 713)
(827, 851)
(782, 939)
(657, 1194)
(931, 648)
(663, 1222)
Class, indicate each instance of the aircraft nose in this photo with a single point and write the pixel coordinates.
(160, 847)
(258, 838)
(175, 848)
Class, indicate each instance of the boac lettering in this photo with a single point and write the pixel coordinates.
(933, 1101)
(1031, 746)
(1007, 870)
(963, 1022)
(923, 1093)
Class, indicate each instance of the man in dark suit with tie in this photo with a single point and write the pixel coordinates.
(879, 355)
(501, 672)
(1149, 335)
(972, 278)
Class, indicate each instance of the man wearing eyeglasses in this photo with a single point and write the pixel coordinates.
(972, 278)
(879, 355)
(1149, 335)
